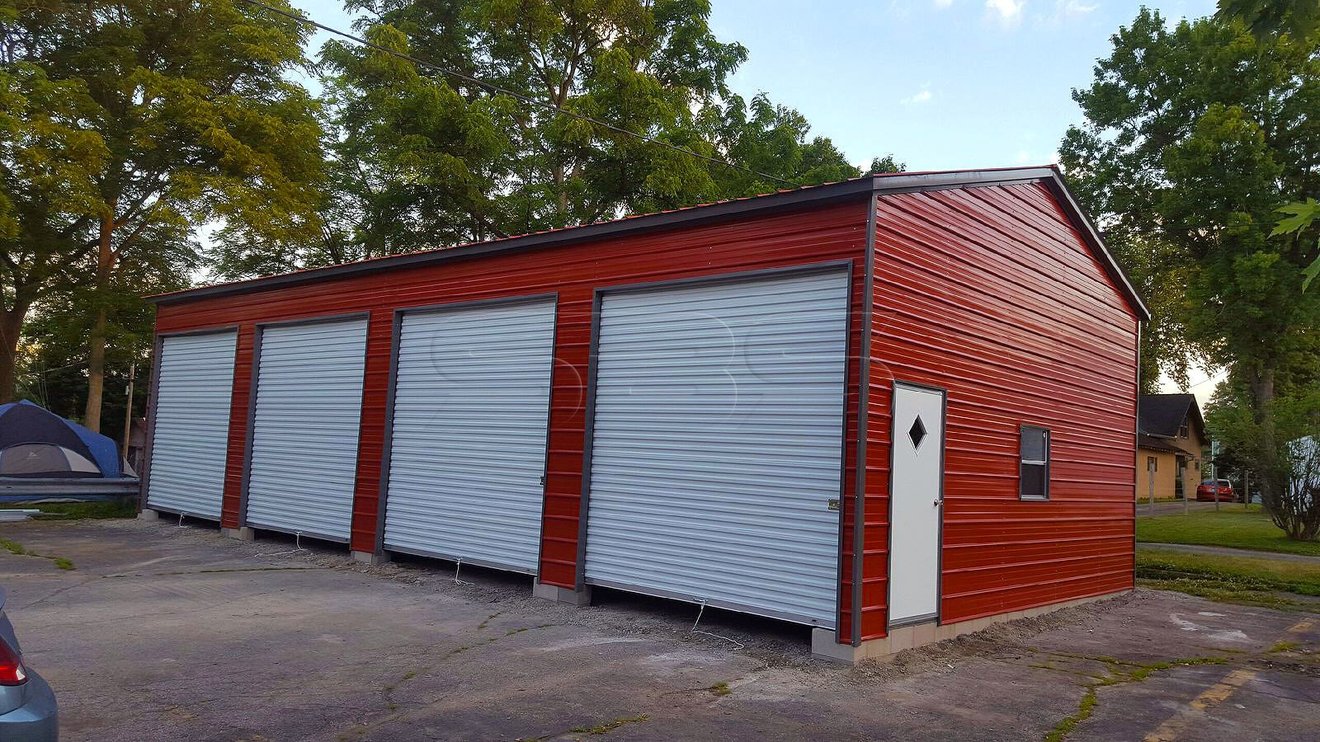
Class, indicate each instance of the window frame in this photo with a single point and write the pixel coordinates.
(1025, 462)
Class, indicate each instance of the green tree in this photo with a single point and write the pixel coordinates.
(1194, 136)
(47, 162)
(186, 117)
(1271, 17)
(1267, 19)
(426, 158)
(1277, 453)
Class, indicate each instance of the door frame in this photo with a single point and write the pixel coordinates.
(391, 392)
(258, 330)
(845, 266)
(937, 617)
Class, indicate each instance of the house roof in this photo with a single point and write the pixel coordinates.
(1163, 414)
(887, 183)
(1151, 443)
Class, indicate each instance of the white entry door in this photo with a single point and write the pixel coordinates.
(918, 504)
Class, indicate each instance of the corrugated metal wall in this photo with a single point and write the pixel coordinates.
(467, 446)
(991, 293)
(717, 444)
(190, 418)
(786, 238)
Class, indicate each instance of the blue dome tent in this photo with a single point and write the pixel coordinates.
(37, 443)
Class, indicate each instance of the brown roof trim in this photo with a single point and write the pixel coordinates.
(1147, 442)
(798, 198)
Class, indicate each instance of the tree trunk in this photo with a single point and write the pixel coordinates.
(105, 263)
(11, 323)
(1274, 471)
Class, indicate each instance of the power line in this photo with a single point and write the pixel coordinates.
(517, 96)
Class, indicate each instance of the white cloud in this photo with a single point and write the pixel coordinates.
(1065, 11)
(1009, 12)
(1072, 8)
(1022, 158)
(941, 4)
(921, 96)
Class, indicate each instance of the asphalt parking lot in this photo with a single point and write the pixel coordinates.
(164, 632)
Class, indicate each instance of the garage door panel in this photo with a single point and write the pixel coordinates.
(469, 431)
(303, 462)
(717, 444)
(190, 442)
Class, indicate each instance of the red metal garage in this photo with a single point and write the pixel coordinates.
(688, 404)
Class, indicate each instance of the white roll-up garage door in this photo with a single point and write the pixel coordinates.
(467, 449)
(305, 428)
(717, 443)
(190, 441)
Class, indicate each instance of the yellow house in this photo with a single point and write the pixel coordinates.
(1170, 437)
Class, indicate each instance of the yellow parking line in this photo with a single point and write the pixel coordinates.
(1301, 626)
(1213, 696)
(1216, 694)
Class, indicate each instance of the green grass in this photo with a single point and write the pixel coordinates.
(1259, 581)
(17, 549)
(1068, 724)
(1117, 672)
(609, 726)
(126, 508)
(1231, 526)
(13, 547)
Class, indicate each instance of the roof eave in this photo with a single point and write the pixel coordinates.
(663, 220)
(841, 191)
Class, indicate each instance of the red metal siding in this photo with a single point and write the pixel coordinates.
(238, 424)
(992, 294)
(824, 233)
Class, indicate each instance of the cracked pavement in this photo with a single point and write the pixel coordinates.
(166, 632)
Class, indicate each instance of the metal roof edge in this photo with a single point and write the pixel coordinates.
(1053, 178)
(1097, 243)
(661, 220)
(884, 184)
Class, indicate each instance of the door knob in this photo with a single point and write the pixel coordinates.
(937, 502)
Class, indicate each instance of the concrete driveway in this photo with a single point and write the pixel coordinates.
(165, 632)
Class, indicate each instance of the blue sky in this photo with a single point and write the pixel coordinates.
(938, 83)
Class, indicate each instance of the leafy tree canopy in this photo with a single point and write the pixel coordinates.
(1194, 136)
(422, 156)
(126, 124)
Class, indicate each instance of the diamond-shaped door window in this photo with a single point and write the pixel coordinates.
(917, 432)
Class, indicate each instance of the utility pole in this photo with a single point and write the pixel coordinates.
(1150, 477)
(1214, 471)
(128, 411)
(1182, 477)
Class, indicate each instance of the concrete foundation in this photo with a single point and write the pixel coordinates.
(367, 557)
(242, 534)
(824, 646)
(148, 515)
(562, 594)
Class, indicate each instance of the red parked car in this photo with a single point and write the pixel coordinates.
(1209, 491)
